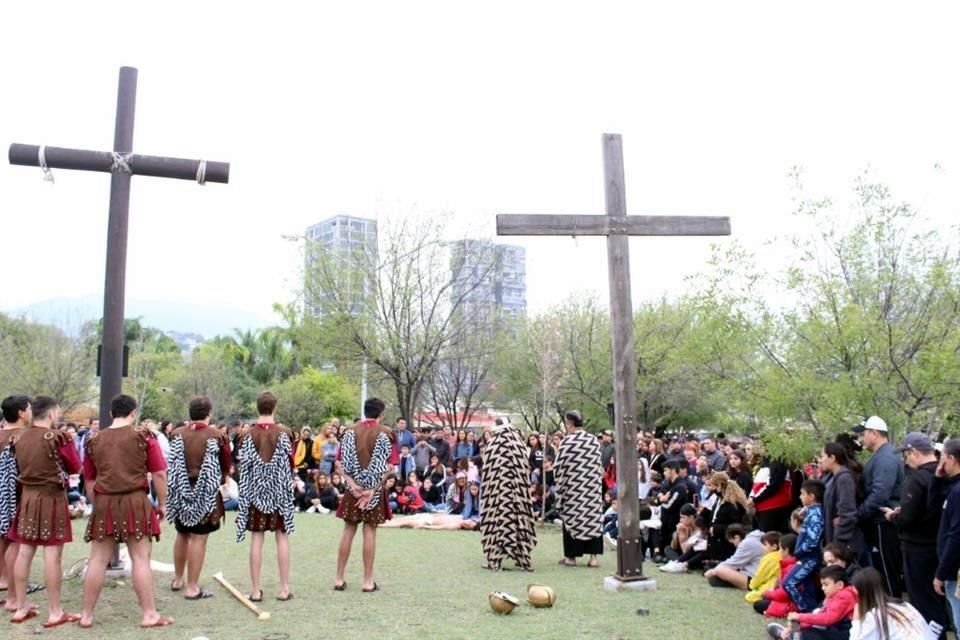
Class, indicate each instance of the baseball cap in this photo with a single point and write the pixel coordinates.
(873, 423)
(916, 441)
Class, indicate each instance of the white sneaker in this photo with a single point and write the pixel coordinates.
(675, 567)
(666, 567)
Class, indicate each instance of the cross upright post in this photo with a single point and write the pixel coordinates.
(617, 226)
(122, 164)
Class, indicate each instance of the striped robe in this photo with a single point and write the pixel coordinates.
(579, 485)
(506, 517)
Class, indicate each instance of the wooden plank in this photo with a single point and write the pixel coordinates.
(629, 557)
(140, 165)
(520, 224)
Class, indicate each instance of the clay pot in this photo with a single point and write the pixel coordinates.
(502, 603)
(540, 595)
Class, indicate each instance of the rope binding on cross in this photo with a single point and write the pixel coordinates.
(121, 161)
(202, 173)
(42, 161)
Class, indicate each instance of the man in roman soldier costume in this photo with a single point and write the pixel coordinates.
(199, 462)
(17, 415)
(116, 466)
(45, 457)
(362, 462)
(266, 493)
(506, 516)
(579, 492)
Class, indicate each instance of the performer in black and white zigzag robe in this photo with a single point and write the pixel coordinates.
(362, 461)
(506, 520)
(266, 492)
(198, 463)
(580, 492)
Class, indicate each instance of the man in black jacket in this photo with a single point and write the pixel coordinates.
(672, 496)
(946, 486)
(882, 484)
(917, 525)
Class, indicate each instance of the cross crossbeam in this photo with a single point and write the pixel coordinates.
(521, 224)
(617, 226)
(122, 164)
(157, 166)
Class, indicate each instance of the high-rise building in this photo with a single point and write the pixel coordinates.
(349, 237)
(491, 278)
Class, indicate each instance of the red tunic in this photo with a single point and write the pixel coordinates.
(118, 460)
(44, 457)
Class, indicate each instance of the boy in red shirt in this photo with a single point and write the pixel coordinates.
(831, 621)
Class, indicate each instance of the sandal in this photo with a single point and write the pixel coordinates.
(174, 587)
(288, 597)
(33, 587)
(340, 587)
(376, 587)
(203, 594)
(563, 563)
(259, 598)
(162, 621)
(65, 618)
(31, 613)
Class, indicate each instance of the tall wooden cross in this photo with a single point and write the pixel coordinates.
(618, 227)
(122, 164)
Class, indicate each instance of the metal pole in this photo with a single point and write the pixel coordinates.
(111, 363)
(363, 388)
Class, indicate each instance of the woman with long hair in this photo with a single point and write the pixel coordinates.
(534, 451)
(739, 470)
(462, 448)
(877, 616)
(729, 508)
(839, 498)
(657, 455)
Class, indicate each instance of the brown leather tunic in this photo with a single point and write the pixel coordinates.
(43, 513)
(121, 504)
(195, 446)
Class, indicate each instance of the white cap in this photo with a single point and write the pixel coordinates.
(875, 423)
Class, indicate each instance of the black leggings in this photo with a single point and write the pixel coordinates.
(840, 631)
(693, 559)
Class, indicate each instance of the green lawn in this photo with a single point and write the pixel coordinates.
(432, 587)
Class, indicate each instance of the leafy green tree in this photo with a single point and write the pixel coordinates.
(312, 397)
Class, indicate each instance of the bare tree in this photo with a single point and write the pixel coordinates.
(398, 304)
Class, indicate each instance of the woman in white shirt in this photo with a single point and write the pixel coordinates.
(877, 616)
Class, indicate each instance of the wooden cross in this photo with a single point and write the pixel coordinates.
(122, 164)
(618, 226)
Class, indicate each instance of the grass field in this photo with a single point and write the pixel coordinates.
(432, 587)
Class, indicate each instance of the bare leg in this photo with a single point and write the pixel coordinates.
(256, 561)
(732, 576)
(343, 553)
(181, 547)
(9, 560)
(283, 562)
(5, 580)
(143, 579)
(196, 552)
(21, 571)
(53, 577)
(369, 552)
(101, 553)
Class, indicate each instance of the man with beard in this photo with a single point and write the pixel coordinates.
(506, 516)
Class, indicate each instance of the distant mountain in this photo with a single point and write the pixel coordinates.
(191, 318)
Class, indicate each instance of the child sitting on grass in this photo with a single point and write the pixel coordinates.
(831, 621)
(769, 571)
(776, 602)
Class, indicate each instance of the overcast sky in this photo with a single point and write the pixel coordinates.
(376, 109)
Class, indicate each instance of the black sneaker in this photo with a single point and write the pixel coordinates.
(775, 630)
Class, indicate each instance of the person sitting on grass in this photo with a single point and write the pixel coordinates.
(776, 602)
(879, 616)
(673, 495)
(432, 497)
(769, 571)
(841, 555)
(457, 494)
(831, 621)
(684, 530)
(737, 570)
(694, 548)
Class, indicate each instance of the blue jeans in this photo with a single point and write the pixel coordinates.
(800, 584)
(950, 588)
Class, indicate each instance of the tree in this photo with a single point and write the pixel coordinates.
(42, 359)
(399, 313)
(312, 397)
